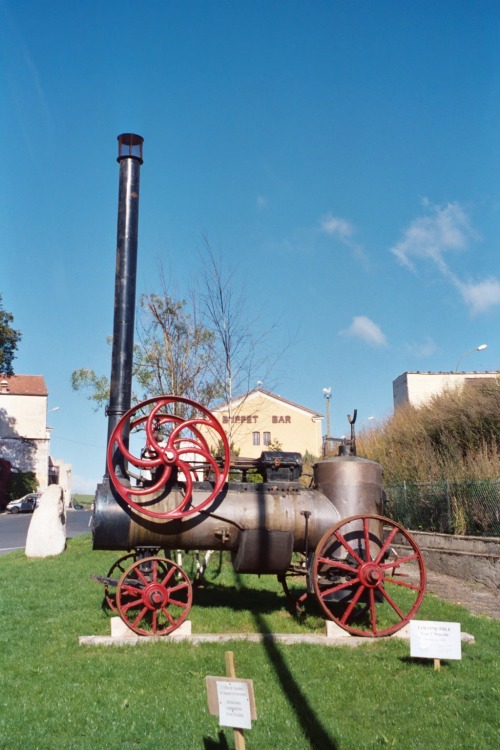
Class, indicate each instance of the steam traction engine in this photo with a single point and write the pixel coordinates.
(165, 489)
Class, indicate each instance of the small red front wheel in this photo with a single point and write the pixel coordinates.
(154, 596)
(361, 582)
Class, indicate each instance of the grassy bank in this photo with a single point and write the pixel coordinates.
(56, 693)
(85, 500)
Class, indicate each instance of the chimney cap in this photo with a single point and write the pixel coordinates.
(130, 146)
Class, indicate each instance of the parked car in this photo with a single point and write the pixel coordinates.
(25, 504)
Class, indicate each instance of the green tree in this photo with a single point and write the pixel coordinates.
(172, 356)
(20, 483)
(9, 340)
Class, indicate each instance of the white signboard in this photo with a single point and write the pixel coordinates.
(234, 704)
(435, 640)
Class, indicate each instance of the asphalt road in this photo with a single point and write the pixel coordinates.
(14, 528)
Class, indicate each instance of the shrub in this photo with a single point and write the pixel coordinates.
(455, 436)
(21, 483)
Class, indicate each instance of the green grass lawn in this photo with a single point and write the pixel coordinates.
(57, 694)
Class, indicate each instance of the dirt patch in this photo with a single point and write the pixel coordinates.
(478, 599)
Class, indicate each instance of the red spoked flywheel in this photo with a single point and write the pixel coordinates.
(153, 447)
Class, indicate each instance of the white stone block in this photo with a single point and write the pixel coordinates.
(184, 629)
(47, 530)
(119, 629)
(335, 631)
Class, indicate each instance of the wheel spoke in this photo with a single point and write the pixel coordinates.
(386, 545)
(168, 616)
(392, 603)
(176, 603)
(403, 584)
(366, 534)
(140, 575)
(168, 576)
(132, 590)
(139, 617)
(352, 603)
(337, 564)
(399, 561)
(339, 587)
(154, 624)
(348, 547)
(180, 587)
(373, 612)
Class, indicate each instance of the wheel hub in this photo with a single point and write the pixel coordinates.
(370, 575)
(155, 596)
(170, 455)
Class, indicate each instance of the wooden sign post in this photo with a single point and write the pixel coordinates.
(232, 700)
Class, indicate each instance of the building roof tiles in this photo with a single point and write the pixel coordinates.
(23, 385)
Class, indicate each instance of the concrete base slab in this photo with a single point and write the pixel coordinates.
(288, 639)
(121, 635)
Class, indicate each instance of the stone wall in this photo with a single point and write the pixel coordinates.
(468, 557)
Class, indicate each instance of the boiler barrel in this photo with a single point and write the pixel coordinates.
(238, 509)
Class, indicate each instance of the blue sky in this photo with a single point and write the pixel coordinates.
(343, 155)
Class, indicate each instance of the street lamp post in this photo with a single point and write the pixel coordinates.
(479, 348)
(327, 393)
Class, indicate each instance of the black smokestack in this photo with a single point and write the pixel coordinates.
(130, 160)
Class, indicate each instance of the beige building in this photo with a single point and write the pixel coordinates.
(260, 418)
(417, 388)
(24, 435)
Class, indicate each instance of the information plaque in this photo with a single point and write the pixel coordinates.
(435, 640)
(232, 700)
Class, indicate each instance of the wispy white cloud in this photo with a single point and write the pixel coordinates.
(365, 329)
(261, 202)
(337, 227)
(480, 296)
(430, 238)
(421, 349)
(343, 230)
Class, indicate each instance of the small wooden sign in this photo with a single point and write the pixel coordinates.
(232, 700)
(431, 639)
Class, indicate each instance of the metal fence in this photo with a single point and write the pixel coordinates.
(448, 507)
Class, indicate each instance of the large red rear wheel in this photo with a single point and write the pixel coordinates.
(154, 450)
(361, 582)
